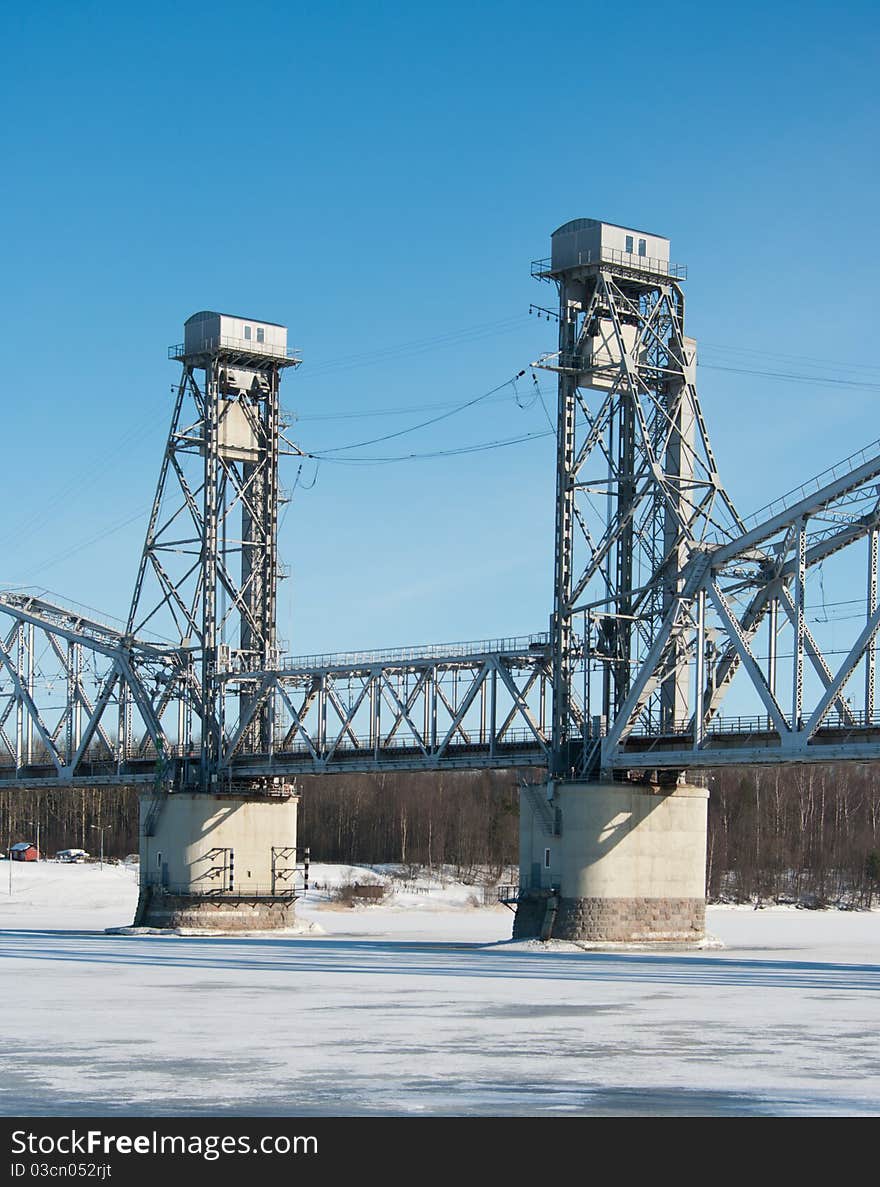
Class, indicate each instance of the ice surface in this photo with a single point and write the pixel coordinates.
(422, 1005)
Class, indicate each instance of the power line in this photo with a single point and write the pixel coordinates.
(88, 543)
(471, 333)
(400, 410)
(408, 457)
(814, 380)
(790, 358)
(418, 346)
(92, 472)
(425, 423)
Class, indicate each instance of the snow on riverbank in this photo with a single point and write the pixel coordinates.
(87, 897)
(420, 905)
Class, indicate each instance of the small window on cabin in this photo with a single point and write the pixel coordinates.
(261, 334)
(643, 247)
(247, 333)
(630, 243)
(546, 859)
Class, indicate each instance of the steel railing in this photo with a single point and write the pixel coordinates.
(255, 890)
(813, 485)
(756, 724)
(613, 255)
(515, 645)
(240, 345)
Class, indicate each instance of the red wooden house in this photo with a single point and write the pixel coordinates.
(24, 851)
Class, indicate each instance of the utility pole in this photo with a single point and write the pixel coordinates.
(99, 828)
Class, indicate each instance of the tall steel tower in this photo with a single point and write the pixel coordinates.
(637, 486)
(209, 567)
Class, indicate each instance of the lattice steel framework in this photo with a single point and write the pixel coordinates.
(472, 705)
(740, 622)
(80, 702)
(209, 569)
(80, 699)
(637, 484)
(667, 606)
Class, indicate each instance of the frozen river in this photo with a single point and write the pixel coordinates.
(421, 1007)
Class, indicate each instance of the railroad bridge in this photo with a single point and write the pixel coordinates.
(679, 634)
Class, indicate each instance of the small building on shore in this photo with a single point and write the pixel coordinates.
(24, 851)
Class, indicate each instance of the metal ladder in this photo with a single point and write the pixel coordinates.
(542, 810)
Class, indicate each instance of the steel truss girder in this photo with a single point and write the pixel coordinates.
(666, 575)
(744, 582)
(94, 668)
(485, 709)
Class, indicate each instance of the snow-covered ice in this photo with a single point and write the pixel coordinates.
(421, 1005)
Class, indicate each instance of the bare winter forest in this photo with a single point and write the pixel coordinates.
(807, 834)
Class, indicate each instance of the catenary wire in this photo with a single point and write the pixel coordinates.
(425, 423)
(482, 447)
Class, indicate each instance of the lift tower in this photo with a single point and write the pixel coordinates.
(209, 568)
(637, 488)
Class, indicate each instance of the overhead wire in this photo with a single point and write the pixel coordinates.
(539, 390)
(791, 358)
(471, 333)
(500, 326)
(455, 451)
(327, 454)
(422, 424)
(94, 470)
(417, 346)
(102, 535)
(293, 489)
(400, 410)
(815, 380)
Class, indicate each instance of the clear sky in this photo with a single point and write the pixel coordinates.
(377, 177)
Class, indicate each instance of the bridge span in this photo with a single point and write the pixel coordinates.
(682, 636)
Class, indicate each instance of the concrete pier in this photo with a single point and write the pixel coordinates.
(217, 861)
(612, 862)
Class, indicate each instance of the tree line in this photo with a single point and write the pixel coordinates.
(808, 834)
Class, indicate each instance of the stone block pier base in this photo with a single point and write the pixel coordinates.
(613, 862)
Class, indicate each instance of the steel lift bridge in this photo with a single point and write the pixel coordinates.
(667, 605)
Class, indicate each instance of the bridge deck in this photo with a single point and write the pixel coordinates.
(752, 746)
(135, 771)
(725, 746)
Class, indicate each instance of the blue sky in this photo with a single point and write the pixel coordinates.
(378, 177)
